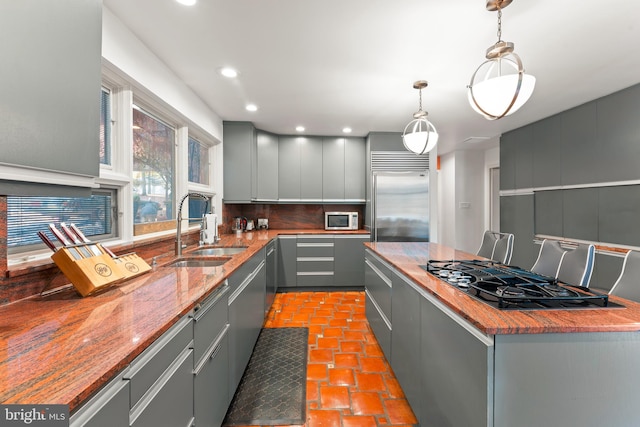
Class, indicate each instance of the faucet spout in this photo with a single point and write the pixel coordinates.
(178, 245)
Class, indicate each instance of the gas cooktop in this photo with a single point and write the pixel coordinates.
(512, 288)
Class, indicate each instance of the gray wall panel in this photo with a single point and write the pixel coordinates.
(548, 212)
(517, 218)
(619, 135)
(619, 213)
(547, 158)
(524, 157)
(580, 151)
(580, 214)
(508, 152)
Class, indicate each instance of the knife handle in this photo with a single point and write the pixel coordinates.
(59, 235)
(47, 241)
(70, 234)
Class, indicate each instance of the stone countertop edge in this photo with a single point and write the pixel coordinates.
(407, 258)
(62, 348)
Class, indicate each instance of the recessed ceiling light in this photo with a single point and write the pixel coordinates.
(346, 130)
(251, 107)
(229, 72)
(300, 128)
(187, 2)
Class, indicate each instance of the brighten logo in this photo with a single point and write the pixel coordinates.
(37, 415)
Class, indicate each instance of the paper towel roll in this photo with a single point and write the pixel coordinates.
(210, 229)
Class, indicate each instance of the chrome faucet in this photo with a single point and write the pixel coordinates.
(179, 220)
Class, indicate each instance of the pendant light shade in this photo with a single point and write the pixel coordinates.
(420, 136)
(499, 87)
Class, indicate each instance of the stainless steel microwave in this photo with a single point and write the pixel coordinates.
(341, 220)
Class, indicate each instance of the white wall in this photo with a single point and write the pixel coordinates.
(463, 197)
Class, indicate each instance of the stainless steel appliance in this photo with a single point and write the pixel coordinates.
(512, 288)
(341, 220)
(400, 207)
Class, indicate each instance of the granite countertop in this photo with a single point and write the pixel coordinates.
(407, 258)
(61, 348)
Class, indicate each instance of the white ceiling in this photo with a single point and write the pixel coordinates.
(334, 63)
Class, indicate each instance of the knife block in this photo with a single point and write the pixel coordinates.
(131, 265)
(88, 274)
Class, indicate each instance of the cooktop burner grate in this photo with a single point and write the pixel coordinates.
(512, 288)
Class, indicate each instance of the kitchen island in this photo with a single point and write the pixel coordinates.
(63, 349)
(464, 363)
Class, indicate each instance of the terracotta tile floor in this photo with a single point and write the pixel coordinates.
(349, 382)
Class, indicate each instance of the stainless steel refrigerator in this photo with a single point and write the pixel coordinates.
(400, 207)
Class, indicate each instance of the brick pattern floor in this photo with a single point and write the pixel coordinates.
(349, 382)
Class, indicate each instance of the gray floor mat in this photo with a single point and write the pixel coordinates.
(273, 389)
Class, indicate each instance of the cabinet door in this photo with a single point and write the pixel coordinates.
(355, 169)
(456, 369)
(272, 275)
(287, 267)
(110, 407)
(267, 166)
(349, 259)
(239, 139)
(50, 111)
(405, 336)
(333, 165)
(246, 316)
(170, 400)
(311, 169)
(211, 393)
(289, 167)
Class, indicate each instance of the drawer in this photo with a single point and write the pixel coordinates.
(209, 319)
(145, 370)
(320, 264)
(380, 325)
(314, 249)
(317, 239)
(170, 400)
(211, 396)
(378, 285)
(315, 278)
(245, 270)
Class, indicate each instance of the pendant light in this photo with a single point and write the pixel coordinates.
(499, 87)
(420, 136)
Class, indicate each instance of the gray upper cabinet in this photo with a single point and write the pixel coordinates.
(333, 168)
(50, 112)
(289, 168)
(311, 169)
(264, 167)
(267, 166)
(239, 139)
(344, 169)
(355, 169)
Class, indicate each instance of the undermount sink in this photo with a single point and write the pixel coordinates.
(197, 262)
(219, 251)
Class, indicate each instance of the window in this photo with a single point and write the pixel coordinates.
(153, 168)
(27, 215)
(198, 162)
(105, 127)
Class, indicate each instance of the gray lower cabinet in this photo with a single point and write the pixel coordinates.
(405, 356)
(272, 274)
(108, 408)
(456, 369)
(348, 259)
(314, 260)
(211, 356)
(287, 268)
(161, 380)
(246, 317)
(378, 287)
